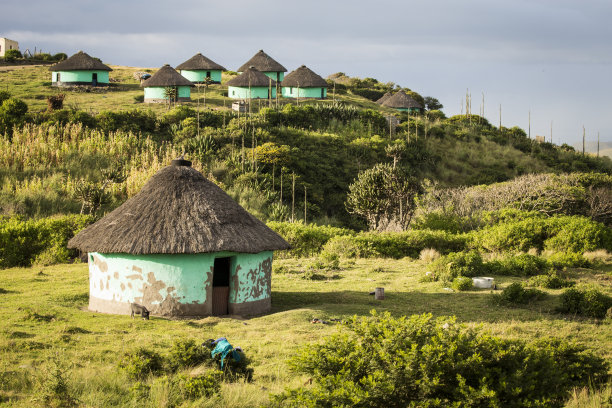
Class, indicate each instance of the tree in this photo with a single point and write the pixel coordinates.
(12, 55)
(432, 103)
(384, 196)
(12, 113)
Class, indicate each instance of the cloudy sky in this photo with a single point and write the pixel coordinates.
(550, 57)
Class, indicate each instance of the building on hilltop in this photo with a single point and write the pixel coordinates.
(402, 102)
(156, 87)
(265, 64)
(180, 247)
(304, 83)
(80, 69)
(6, 44)
(251, 84)
(197, 68)
(383, 98)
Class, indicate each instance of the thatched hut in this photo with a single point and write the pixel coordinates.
(266, 64)
(180, 247)
(80, 69)
(251, 84)
(383, 98)
(156, 88)
(402, 102)
(198, 68)
(304, 83)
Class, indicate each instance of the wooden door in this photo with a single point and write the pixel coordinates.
(221, 279)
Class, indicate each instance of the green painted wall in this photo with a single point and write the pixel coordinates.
(182, 278)
(158, 92)
(236, 92)
(80, 76)
(411, 110)
(273, 75)
(200, 76)
(292, 92)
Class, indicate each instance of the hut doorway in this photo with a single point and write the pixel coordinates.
(94, 79)
(221, 281)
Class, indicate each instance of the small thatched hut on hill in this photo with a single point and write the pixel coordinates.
(155, 88)
(402, 102)
(304, 83)
(180, 247)
(383, 98)
(251, 84)
(198, 68)
(79, 69)
(265, 64)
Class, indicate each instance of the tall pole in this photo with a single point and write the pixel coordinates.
(305, 206)
(529, 134)
(500, 117)
(551, 123)
(293, 200)
(597, 144)
(583, 136)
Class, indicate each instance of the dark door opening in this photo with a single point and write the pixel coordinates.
(94, 79)
(221, 281)
(322, 93)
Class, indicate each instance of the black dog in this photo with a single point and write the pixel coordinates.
(139, 310)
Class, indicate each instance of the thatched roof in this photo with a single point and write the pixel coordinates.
(263, 62)
(178, 211)
(200, 62)
(383, 98)
(401, 101)
(80, 61)
(304, 77)
(251, 77)
(167, 76)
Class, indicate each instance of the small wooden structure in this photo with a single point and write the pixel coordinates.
(402, 102)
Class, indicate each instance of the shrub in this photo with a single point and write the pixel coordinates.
(12, 55)
(306, 240)
(140, 363)
(53, 387)
(462, 283)
(599, 256)
(515, 293)
(421, 361)
(578, 234)
(198, 386)
(429, 255)
(519, 265)
(438, 220)
(550, 281)
(186, 353)
(588, 302)
(456, 264)
(560, 260)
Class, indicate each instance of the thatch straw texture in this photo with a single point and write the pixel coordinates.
(80, 61)
(178, 211)
(263, 62)
(401, 101)
(304, 77)
(167, 76)
(251, 77)
(200, 62)
(383, 98)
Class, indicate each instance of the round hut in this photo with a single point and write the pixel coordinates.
(383, 98)
(180, 247)
(251, 84)
(197, 68)
(79, 69)
(266, 64)
(156, 88)
(403, 103)
(304, 83)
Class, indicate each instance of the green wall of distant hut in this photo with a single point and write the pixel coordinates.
(178, 283)
(156, 93)
(201, 75)
(79, 77)
(254, 92)
(292, 92)
(276, 76)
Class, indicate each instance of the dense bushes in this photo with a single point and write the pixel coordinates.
(449, 267)
(588, 302)
(43, 241)
(421, 361)
(516, 293)
(306, 240)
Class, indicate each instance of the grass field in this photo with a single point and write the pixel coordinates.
(44, 316)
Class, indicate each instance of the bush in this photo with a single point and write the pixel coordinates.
(462, 283)
(53, 387)
(186, 353)
(515, 293)
(578, 234)
(560, 260)
(586, 302)
(198, 386)
(421, 361)
(306, 240)
(437, 220)
(550, 281)
(140, 363)
(12, 55)
(429, 255)
(519, 265)
(456, 264)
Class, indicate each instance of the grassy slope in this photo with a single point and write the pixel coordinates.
(91, 343)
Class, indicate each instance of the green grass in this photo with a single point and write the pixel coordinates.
(44, 314)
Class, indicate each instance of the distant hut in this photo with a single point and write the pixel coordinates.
(198, 68)
(80, 69)
(155, 88)
(383, 98)
(251, 84)
(180, 247)
(403, 103)
(304, 83)
(266, 64)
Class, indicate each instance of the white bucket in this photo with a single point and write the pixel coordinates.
(482, 282)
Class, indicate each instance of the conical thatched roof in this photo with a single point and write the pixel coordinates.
(401, 101)
(80, 61)
(383, 98)
(200, 62)
(263, 62)
(251, 77)
(167, 76)
(178, 211)
(304, 77)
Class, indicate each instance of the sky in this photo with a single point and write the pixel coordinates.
(548, 58)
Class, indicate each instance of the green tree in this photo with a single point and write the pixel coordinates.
(12, 55)
(432, 103)
(12, 113)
